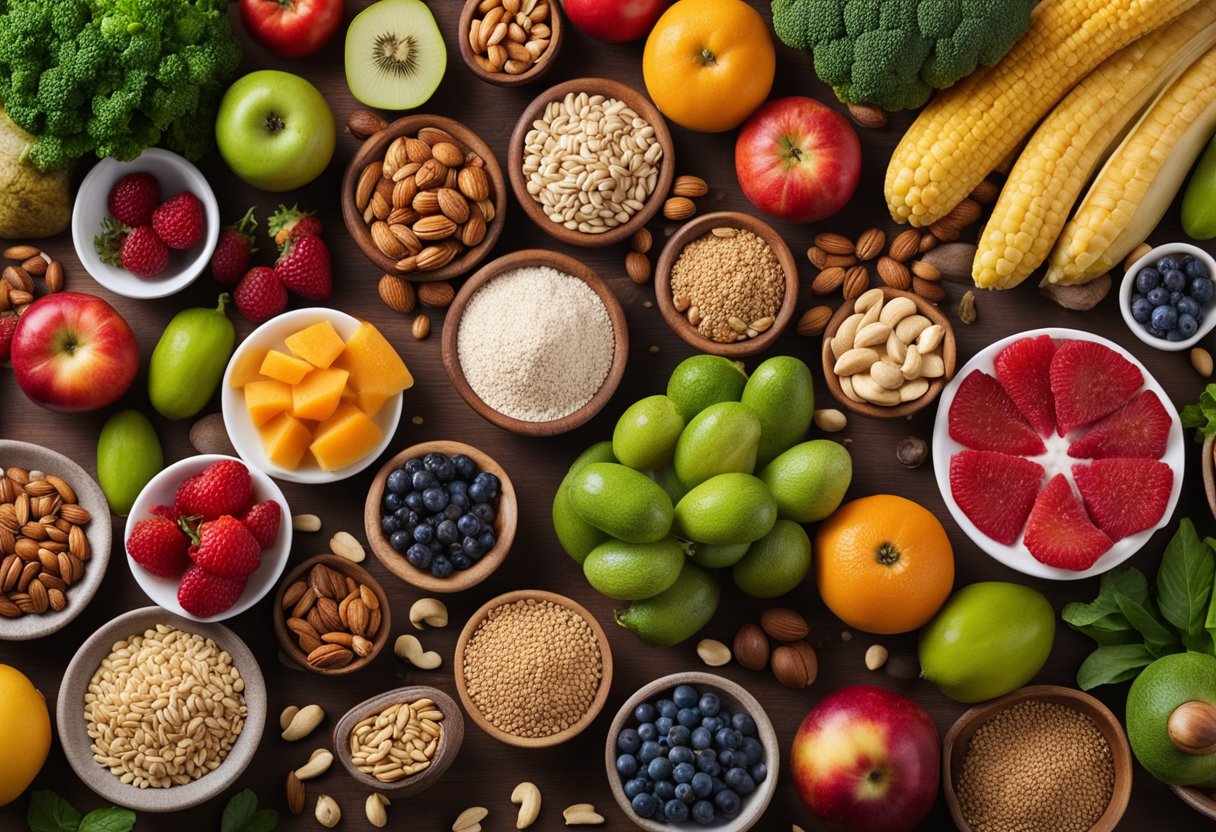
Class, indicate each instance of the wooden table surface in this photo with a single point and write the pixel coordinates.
(486, 771)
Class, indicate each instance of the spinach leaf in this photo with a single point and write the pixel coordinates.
(51, 813)
(242, 815)
(1158, 638)
(1184, 580)
(112, 819)
(1108, 665)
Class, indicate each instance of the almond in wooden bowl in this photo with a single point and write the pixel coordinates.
(510, 49)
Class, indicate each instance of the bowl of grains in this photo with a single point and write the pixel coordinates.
(509, 42)
(887, 353)
(400, 742)
(424, 198)
(159, 713)
(591, 161)
(533, 668)
(1043, 759)
(54, 540)
(727, 284)
(535, 342)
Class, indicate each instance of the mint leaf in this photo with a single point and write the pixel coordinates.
(1184, 580)
(111, 819)
(239, 811)
(1108, 665)
(51, 813)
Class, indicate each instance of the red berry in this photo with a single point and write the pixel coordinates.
(232, 250)
(223, 488)
(163, 511)
(289, 223)
(180, 221)
(263, 521)
(160, 546)
(143, 253)
(225, 547)
(204, 595)
(304, 268)
(260, 295)
(8, 325)
(133, 199)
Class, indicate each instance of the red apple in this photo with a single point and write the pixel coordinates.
(615, 21)
(866, 760)
(292, 28)
(74, 352)
(798, 159)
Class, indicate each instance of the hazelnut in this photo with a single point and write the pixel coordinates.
(912, 451)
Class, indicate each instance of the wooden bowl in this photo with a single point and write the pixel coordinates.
(1209, 471)
(562, 263)
(506, 520)
(450, 739)
(502, 79)
(360, 575)
(1198, 799)
(949, 358)
(698, 228)
(735, 697)
(597, 703)
(640, 105)
(954, 748)
(374, 148)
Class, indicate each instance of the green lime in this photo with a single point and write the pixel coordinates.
(675, 613)
(781, 392)
(1158, 691)
(632, 571)
(776, 563)
(721, 439)
(645, 435)
(626, 504)
(599, 452)
(718, 556)
(728, 508)
(576, 536)
(809, 480)
(702, 380)
(666, 477)
(128, 455)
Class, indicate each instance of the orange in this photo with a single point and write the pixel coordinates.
(709, 63)
(25, 733)
(883, 564)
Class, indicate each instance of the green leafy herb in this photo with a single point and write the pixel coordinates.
(1184, 580)
(1109, 665)
(112, 819)
(1201, 415)
(242, 815)
(51, 813)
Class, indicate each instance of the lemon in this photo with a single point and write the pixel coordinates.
(702, 380)
(781, 392)
(776, 563)
(645, 435)
(809, 480)
(676, 613)
(721, 439)
(25, 733)
(728, 508)
(632, 571)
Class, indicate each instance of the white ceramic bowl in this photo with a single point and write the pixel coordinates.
(244, 436)
(1055, 461)
(1127, 288)
(160, 490)
(175, 175)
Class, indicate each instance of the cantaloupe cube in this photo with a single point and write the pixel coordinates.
(247, 367)
(370, 401)
(318, 344)
(284, 368)
(317, 396)
(374, 365)
(345, 437)
(266, 399)
(285, 440)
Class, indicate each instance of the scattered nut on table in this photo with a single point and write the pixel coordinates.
(409, 648)
(582, 814)
(470, 818)
(430, 612)
(373, 807)
(303, 722)
(328, 812)
(527, 796)
(713, 652)
(876, 657)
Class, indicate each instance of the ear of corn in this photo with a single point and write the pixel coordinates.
(966, 130)
(1136, 185)
(1071, 142)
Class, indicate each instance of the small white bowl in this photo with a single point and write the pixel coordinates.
(1056, 460)
(1127, 288)
(160, 491)
(175, 175)
(244, 436)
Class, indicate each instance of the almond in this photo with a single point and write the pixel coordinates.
(404, 193)
(362, 124)
(814, 321)
(437, 295)
(431, 174)
(426, 203)
(867, 115)
(641, 241)
(945, 230)
(396, 293)
(416, 150)
(834, 243)
(751, 647)
(19, 279)
(473, 183)
(421, 327)
(453, 205)
(926, 271)
(894, 273)
(357, 617)
(845, 261)
(856, 281)
(679, 208)
(386, 241)
(408, 239)
(434, 135)
(690, 186)
(986, 192)
(474, 229)
(930, 291)
(637, 266)
(448, 154)
(817, 256)
(437, 227)
(828, 281)
(295, 794)
(927, 243)
(54, 277)
(795, 665)
(36, 265)
(327, 611)
(330, 656)
(870, 244)
(965, 213)
(783, 624)
(21, 252)
(905, 245)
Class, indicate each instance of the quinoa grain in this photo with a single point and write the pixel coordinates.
(724, 275)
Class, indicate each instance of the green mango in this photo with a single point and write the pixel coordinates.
(721, 439)
(633, 571)
(189, 360)
(128, 456)
(628, 505)
(1199, 200)
(576, 536)
(677, 612)
(781, 392)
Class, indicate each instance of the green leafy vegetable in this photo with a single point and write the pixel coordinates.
(242, 815)
(1184, 580)
(112, 819)
(51, 813)
(1201, 415)
(1109, 665)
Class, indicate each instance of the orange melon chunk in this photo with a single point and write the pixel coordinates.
(266, 399)
(285, 440)
(318, 344)
(370, 401)
(375, 367)
(285, 368)
(247, 367)
(345, 437)
(317, 396)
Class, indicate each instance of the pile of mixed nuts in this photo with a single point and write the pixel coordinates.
(510, 36)
(333, 617)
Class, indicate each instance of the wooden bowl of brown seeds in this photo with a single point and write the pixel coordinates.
(331, 616)
(510, 42)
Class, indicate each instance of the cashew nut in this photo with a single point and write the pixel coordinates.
(285, 717)
(374, 807)
(306, 523)
(528, 797)
(582, 814)
(318, 763)
(410, 649)
(713, 652)
(428, 611)
(303, 723)
(328, 812)
(470, 817)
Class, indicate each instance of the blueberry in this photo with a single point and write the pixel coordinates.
(702, 784)
(684, 793)
(634, 787)
(740, 781)
(465, 467)
(1174, 335)
(445, 471)
(718, 784)
(685, 696)
(479, 492)
(401, 541)
(647, 731)
(446, 532)
(683, 772)
(664, 724)
(727, 738)
(752, 750)
(1147, 280)
(1188, 306)
(728, 803)
(1159, 296)
(1164, 318)
(433, 459)
(710, 767)
(483, 512)
(744, 724)
(423, 480)
(703, 812)
(680, 754)
(1187, 325)
(1153, 331)
(1175, 296)
(441, 567)
(701, 738)
(451, 512)
(389, 524)
(413, 501)
(667, 708)
(1201, 289)
(398, 482)
(390, 502)
(709, 704)
(645, 712)
(433, 520)
(459, 499)
(758, 772)
(1174, 280)
(419, 556)
(629, 741)
(726, 758)
(1168, 262)
(423, 533)
(627, 765)
(407, 518)
(664, 790)
(644, 805)
(678, 735)
(1196, 269)
(460, 560)
(437, 548)
(689, 717)
(489, 483)
(675, 811)
(713, 724)
(471, 547)
(468, 524)
(487, 540)
(659, 768)
(434, 499)
(412, 466)
(649, 751)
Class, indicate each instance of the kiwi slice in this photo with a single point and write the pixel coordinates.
(395, 57)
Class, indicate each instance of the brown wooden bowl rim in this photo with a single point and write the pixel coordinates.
(1079, 701)
(506, 521)
(539, 67)
(592, 86)
(359, 574)
(451, 737)
(694, 230)
(375, 145)
(601, 694)
(1197, 799)
(949, 358)
(568, 265)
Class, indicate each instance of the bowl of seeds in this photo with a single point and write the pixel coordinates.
(424, 198)
(509, 42)
(727, 284)
(400, 742)
(1043, 757)
(535, 342)
(591, 161)
(533, 668)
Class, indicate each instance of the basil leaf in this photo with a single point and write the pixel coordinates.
(1108, 665)
(1158, 638)
(1129, 583)
(239, 811)
(1184, 580)
(1103, 637)
(111, 819)
(51, 813)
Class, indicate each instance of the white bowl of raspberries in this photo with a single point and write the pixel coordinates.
(208, 537)
(145, 228)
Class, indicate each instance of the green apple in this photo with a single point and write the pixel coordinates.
(275, 130)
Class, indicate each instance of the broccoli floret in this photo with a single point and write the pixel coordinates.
(894, 53)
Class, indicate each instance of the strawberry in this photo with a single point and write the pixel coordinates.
(983, 417)
(142, 253)
(1023, 368)
(133, 199)
(180, 221)
(1089, 381)
(223, 488)
(1124, 496)
(226, 548)
(304, 268)
(8, 325)
(163, 511)
(995, 491)
(262, 520)
(203, 595)
(159, 545)
(1059, 533)
(233, 249)
(260, 295)
(1139, 428)
(289, 223)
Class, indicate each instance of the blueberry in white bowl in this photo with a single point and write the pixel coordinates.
(1166, 296)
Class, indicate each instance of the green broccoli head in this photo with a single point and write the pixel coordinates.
(894, 53)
